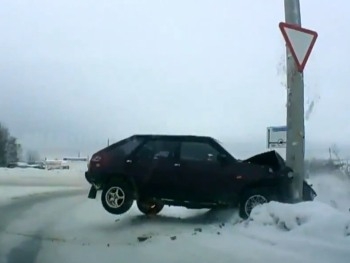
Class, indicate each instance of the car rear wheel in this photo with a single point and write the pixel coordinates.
(250, 200)
(117, 197)
(150, 207)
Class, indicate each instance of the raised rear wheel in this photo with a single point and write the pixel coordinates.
(117, 197)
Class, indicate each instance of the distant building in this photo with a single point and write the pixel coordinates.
(75, 159)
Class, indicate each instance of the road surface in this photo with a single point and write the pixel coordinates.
(67, 227)
(31, 233)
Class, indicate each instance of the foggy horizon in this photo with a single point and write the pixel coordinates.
(74, 74)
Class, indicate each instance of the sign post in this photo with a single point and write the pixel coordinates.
(299, 42)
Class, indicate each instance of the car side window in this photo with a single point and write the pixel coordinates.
(198, 151)
(156, 149)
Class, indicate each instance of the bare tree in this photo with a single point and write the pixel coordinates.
(10, 149)
(13, 150)
(4, 135)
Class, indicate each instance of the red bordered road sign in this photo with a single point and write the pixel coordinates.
(300, 42)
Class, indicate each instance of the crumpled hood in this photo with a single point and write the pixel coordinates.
(270, 159)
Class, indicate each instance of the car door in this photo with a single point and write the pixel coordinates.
(204, 177)
(152, 166)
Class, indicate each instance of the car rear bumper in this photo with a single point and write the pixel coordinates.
(88, 177)
(94, 178)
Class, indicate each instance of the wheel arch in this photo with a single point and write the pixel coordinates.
(269, 186)
(125, 178)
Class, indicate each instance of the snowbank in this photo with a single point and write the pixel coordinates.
(312, 219)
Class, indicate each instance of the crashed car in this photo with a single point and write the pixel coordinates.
(190, 171)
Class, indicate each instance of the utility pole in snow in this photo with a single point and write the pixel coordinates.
(295, 152)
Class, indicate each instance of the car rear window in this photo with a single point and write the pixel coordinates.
(129, 146)
(124, 147)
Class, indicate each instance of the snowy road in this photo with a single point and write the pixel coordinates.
(31, 237)
(64, 226)
(67, 227)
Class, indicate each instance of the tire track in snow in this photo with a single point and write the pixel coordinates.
(17, 206)
(27, 251)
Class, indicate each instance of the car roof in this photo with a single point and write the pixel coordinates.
(173, 136)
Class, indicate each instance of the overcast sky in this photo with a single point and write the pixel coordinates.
(74, 73)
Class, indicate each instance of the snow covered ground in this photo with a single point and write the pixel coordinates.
(37, 177)
(332, 189)
(18, 182)
(72, 228)
(8, 193)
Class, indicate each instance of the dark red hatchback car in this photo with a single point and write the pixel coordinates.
(188, 171)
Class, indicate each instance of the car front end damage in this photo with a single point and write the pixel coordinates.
(283, 175)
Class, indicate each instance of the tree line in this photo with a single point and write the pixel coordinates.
(10, 149)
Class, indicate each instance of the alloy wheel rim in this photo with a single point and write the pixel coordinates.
(115, 197)
(253, 201)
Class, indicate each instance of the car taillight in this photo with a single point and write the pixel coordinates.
(99, 160)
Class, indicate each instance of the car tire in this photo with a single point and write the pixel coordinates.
(250, 200)
(149, 207)
(117, 197)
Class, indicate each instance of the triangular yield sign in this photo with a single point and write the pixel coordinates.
(300, 42)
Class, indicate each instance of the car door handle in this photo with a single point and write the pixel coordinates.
(177, 165)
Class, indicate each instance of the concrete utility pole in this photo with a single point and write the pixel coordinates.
(295, 109)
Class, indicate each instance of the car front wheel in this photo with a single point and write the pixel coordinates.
(117, 197)
(250, 200)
